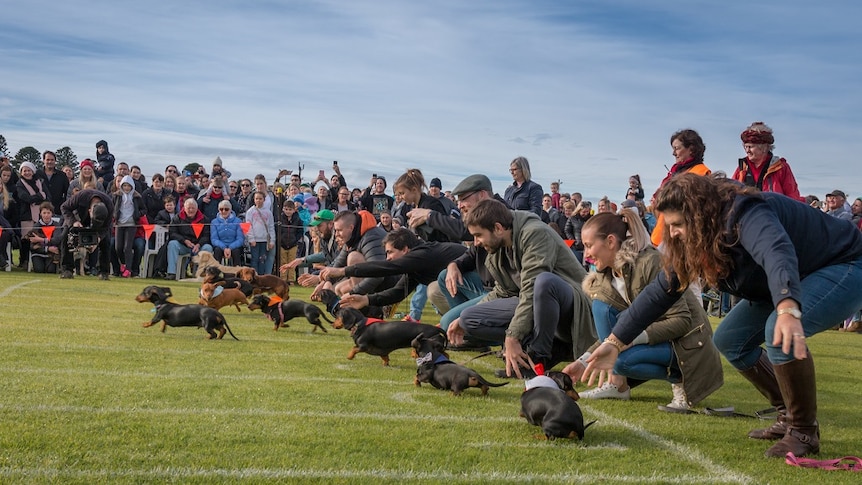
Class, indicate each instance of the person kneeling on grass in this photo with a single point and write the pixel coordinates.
(417, 261)
(677, 347)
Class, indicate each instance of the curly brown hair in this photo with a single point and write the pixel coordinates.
(706, 204)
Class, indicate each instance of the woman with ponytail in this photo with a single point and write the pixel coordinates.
(676, 347)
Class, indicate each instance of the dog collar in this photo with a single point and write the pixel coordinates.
(369, 321)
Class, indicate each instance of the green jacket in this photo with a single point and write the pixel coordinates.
(538, 249)
(686, 325)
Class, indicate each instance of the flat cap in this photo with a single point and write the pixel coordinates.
(473, 183)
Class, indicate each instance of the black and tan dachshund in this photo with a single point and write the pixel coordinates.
(176, 315)
(549, 402)
(436, 369)
(378, 337)
(332, 302)
(280, 311)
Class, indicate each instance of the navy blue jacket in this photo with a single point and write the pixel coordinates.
(774, 242)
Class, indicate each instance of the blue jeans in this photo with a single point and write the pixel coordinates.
(262, 259)
(174, 251)
(417, 303)
(469, 293)
(642, 362)
(828, 296)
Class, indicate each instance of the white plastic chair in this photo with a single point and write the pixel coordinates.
(161, 238)
(8, 256)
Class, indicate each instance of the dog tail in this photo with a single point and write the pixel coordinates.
(228, 329)
(323, 315)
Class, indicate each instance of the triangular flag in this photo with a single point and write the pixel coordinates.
(1, 230)
(569, 242)
(197, 227)
(48, 231)
(148, 230)
(246, 226)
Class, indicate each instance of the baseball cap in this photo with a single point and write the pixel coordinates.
(322, 215)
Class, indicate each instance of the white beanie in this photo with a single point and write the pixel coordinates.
(28, 165)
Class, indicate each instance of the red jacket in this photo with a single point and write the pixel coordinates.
(778, 177)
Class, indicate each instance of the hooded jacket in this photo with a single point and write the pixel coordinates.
(366, 238)
(776, 176)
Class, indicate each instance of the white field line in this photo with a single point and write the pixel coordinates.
(686, 452)
(6, 292)
(174, 473)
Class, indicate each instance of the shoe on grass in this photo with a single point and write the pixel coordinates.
(67, 275)
(607, 391)
(104, 277)
(679, 404)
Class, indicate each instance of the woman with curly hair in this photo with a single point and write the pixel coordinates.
(757, 246)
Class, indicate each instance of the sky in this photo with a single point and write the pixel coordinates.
(589, 91)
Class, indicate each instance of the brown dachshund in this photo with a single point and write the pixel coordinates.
(225, 297)
(266, 283)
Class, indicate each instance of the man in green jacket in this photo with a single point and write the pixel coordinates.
(537, 308)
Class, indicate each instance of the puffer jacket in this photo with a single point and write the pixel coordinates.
(367, 238)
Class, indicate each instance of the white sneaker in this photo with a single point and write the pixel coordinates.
(607, 391)
(679, 404)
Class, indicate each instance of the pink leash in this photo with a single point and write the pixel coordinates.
(850, 463)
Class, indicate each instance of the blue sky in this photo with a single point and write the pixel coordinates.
(588, 91)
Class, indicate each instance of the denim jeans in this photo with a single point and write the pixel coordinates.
(175, 248)
(262, 259)
(642, 362)
(828, 296)
(417, 303)
(469, 293)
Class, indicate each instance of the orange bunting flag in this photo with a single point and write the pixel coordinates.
(1, 231)
(569, 242)
(48, 231)
(197, 227)
(246, 226)
(148, 230)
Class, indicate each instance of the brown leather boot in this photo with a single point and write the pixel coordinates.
(797, 383)
(762, 376)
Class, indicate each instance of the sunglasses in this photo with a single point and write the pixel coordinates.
(246, 185)
(224, 209)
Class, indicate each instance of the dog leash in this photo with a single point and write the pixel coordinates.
(849, 463)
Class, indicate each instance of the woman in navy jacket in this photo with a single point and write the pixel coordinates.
(757, 246)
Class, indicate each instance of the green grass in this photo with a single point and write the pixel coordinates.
(89, 395)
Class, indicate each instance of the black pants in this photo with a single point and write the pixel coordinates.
(67, 257)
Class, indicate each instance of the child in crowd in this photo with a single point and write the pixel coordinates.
(635, 188)
(165, 215)
(290, 231)
(45, 247)
(261, 235)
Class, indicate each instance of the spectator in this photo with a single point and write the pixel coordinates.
(226, 234)
(375, 200)
(688, 150)
(435, 189)
(30, 193)
(184, 238)
(13, 179)
(523, 194)
(290, 229)
(556, 196)
(139, 178)
(243, 197)
(676, 347)
(154, 196)
(88, 209)
(86, 175)
(270, 203)
(537, 309)
(409, 187)
(129, 208)
(209, 201)
(185, 190)
(171, 187)
(261, 235)
(758, 246)
(104, 169)
(635, 189)
(70, 174)
(835, 205)
(44, 248)
(385, 221)
(166, 215)
(760, 168)
(343, 202)
(219, 170)
(580, 215)
(56, 181)
(856, 211)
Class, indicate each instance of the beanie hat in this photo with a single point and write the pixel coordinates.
(29, 165)
(758, 133)
(86, 163)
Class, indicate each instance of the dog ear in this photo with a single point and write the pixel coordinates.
(417, 342)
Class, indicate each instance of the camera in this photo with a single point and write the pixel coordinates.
(82, 238)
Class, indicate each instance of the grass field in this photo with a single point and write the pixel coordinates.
(89, 396)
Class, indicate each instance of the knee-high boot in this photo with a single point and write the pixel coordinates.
(798, 386)
(762, 375)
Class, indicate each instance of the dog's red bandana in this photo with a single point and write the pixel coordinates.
(369, 321)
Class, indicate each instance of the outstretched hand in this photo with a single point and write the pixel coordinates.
(600, 364)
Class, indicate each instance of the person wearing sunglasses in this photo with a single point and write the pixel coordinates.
(226, 235)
